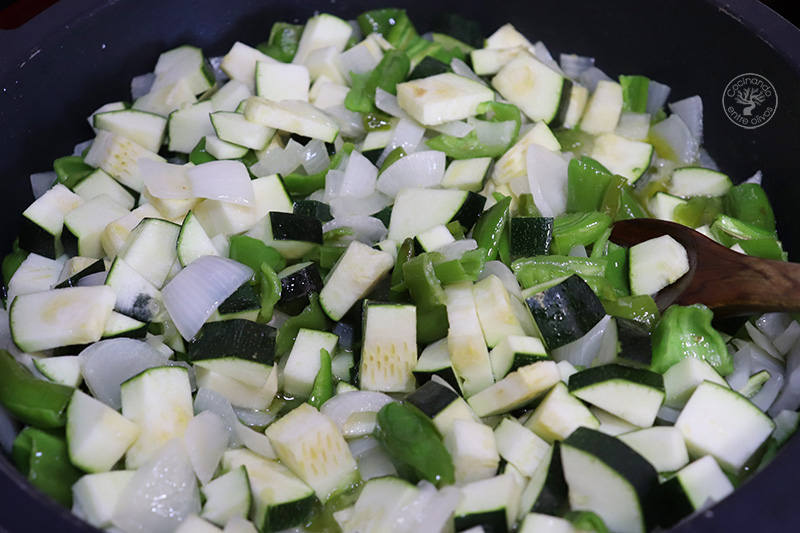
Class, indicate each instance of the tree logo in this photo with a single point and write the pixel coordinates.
(750, 100)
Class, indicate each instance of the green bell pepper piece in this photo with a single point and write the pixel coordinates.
(634, 93)
(304, 184)
(641, 308)
(687, 332)
(322, 389)
(490, 226)
(749, 203)
(412, 442)
(42, 457)
(311, 317)
(70, 170)
(578, 228)
(254, 253)
(427, 293)
(587, 181)
(31, 400)
(526, 206)
(619, 201)
(199, 154)
(469, 146)
(392, 69)
(398, 291)
(270, 292)
(283, 41)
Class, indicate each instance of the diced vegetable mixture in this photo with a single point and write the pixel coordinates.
(358, 278)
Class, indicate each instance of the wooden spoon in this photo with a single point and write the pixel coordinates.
(729, 283)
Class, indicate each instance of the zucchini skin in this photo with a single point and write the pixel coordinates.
(234, 338)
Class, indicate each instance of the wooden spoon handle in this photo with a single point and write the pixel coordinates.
(733, 284)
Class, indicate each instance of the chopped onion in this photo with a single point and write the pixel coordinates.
(417, 170)
(253, 417)
(407, 134)
(494, 133)
(456, 249)
(368, 230)
(657, 94)
(342, 406)
(161, 494)
(673, 133)
(590, 77)
(578, 250)
(358, 60)
(440, 508)
(206, 440)
(573, 65)
(211, 400)
(226, 181)
(705, 160)
(773, 324)
(41, 182)
(456, 128)
(691, 112)
(351, 124)
(668, 414)
(256, 442)
(372, 460)
(583, 351)
(278, 160)
(106, 364)
(197, 290)
(316, 158)
(343, 206)
(784, 342)
(333, 184)
(140, 85)
(543, 54)
(216, 67)
(505, 275)
(81, 147)
(462, 69)
(762, 341)
(387, 102)
(360, 177)
(789, 397)
(165, 180)
(547, 176)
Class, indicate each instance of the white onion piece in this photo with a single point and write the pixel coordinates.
(761, 340)
(342, 406)
(361, 446)
(494, 133)
(407, 134)
(439, 510)
(316, 158)
(505, 275)
(140, 85)
(374, 462)
(456, 128)
(668, 414)
(41, 182)
(189, 368)
(456, 249)
(206, 439)
(197, 290)
(408, 517)
(351, 124)
(520, 185)
(256, 442)
(91, 280)
(766, 396)
(164, 180)
(784, 342)
(81, 147)
(583, 351)
(418, 170)
(755, 178)
(773, 324)
(211, 400)
(252, 417)
(789, 397)
(543, 54)
(358, 60)
(572, 65)
(278, 160)
(387, 102)
(673, 133)
(360, 424)
(741, 368)
(345, 206)
(360, 177)
(691, 112)
(462, 69)
(226, 181)
(368, 230)
(547, 176)
(106, 364)
(590, 77)
(161, 494)
(333, 185)
(657, 94)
